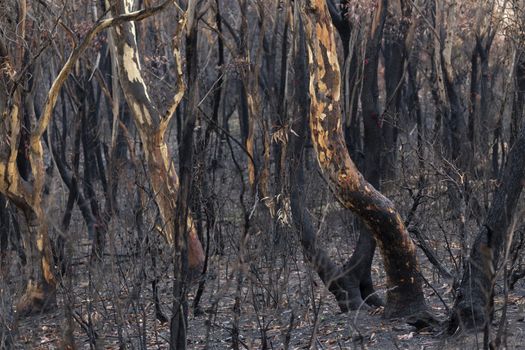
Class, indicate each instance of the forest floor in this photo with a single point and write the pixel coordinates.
(305, 316)
(283, 304)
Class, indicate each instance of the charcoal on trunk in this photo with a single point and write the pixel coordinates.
(405, 292)
(348, 284)
(473, 307)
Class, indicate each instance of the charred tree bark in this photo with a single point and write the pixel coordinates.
(179, 319)
(91, 148)
(473, 307)
(480, 121)
(414, 106)
(250, 114)
(351, 74)
(5, 231)
(519, 98)
(360, 263)
(405, 293)
(475, 99)
(399, 32)
(450, 125)
(373, 140)
(345, 289)
(358, 269)
(40, 292)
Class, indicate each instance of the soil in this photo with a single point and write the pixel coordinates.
(304, 315)
(283, 303)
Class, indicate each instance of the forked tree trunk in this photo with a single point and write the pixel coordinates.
(151, 126)
(405, 292)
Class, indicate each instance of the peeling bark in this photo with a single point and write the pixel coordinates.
(405, 293)
(152, 125)
(345, 291)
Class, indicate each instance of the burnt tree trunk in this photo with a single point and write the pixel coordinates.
(399, 32)
(358, 268)
(480, 120)
(5, 230)
(473, 307)
(351, 81)
(405, 292)
(360, 263)
(519, 97)
(373, 139)
(344, 286)
(17, 162)
(179, 319)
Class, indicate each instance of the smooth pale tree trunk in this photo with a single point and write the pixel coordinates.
(405, 292)
(152, 126)
(172, 201)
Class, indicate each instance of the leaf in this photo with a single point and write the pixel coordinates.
(406, 336)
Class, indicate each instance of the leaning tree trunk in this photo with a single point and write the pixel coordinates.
(344, 286)
(474, 304)
(357, 270)
(360, 263)
(405, 292)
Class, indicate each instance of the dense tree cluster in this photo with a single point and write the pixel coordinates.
(166, 143)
